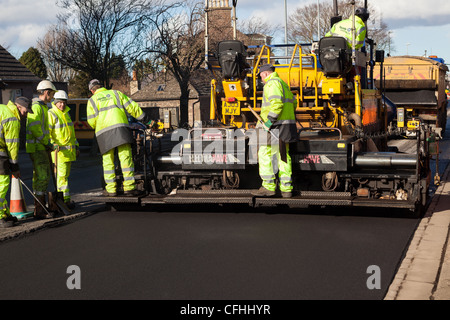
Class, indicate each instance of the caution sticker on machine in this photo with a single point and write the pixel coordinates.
(214, 158)
(315, 158)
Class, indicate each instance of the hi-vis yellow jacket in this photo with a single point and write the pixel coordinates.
(343, 28)
(107, 114)
(37, 127)
(14, 110)
(62, 133)
(9, 139)
(279, 106)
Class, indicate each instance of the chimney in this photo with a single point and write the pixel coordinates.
(135, 85)
(219, 20)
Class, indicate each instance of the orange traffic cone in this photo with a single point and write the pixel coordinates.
(17, 206)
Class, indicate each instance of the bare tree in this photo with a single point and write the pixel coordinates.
(303, 22)
(92, 30)
(47, 46)
(175, 36)
(254, 27)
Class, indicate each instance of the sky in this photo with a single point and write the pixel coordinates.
(417, 26)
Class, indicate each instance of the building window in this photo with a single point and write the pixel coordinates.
(161, 87)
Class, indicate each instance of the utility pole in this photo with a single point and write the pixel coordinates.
(389, 43)
(206, 33)
(353, 34)
(234, 19)
(318, 20)
(285, 24)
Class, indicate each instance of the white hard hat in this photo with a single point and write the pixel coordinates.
(46, 85)
(60, 95)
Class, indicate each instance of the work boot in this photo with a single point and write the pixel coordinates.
(4, 223)
(11, 218)
(39, 211)
(109, 194)
(70, 204)
(132, 193)
(286, 194)
(263, 192)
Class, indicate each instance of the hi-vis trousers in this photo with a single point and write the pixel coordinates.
(268, 168)
(127, 165)
(4, 186)
(62, 178)
(41, 171)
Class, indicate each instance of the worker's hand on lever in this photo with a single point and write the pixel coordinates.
(49, 147)
(15, 170)
(54, 146)
(151, 124)
(16, 174)
(267, 125)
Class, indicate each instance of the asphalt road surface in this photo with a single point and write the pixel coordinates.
(208, 255)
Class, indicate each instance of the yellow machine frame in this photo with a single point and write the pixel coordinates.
(330, 107)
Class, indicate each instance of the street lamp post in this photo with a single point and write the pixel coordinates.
(318, 21)
(389, 43)
(285, 26)
(206, 34)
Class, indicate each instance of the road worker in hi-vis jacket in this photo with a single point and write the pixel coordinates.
(107, 115)
(65, 144)
(343, 28)
(10, 115)
(278, 113)
(38, 144)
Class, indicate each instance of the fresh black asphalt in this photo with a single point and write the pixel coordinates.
(206, 254)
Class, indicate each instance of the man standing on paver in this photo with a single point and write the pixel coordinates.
(107, 113)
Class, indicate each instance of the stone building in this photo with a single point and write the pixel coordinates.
(162, 94)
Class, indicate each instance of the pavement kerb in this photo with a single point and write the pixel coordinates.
(30, 225)
(87, 207)
(424, 273)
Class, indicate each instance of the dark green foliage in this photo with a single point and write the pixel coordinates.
(32, 59)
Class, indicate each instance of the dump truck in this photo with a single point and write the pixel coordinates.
(417, 87)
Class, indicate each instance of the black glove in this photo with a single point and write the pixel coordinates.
(49, 147)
